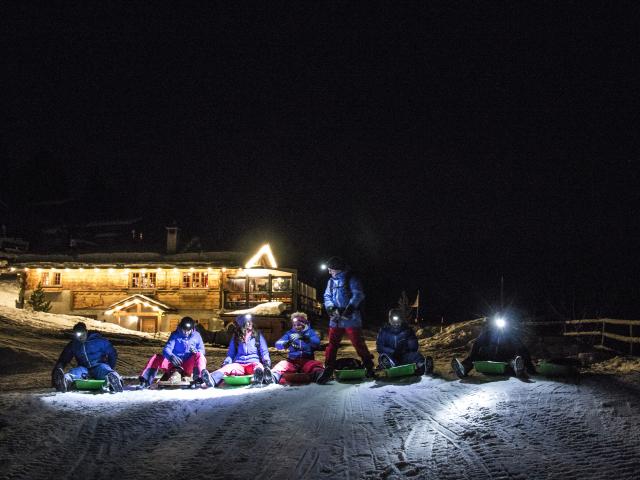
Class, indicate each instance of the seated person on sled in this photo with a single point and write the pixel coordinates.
(499, 343)
(397, 345)
(96, 359)
(183, 353)
(301, 341)
(247, 354)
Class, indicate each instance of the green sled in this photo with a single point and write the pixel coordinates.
(357, 374)
(90, 384)
(550, 369)
(400, 370)
(238, 379)
(490, 367)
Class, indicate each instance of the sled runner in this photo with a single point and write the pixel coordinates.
(400, 371)
(493, 368)
(357, 374)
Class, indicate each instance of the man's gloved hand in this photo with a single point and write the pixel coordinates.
(332, 310)
(193, 349)
(296, 346)
(348, 311)
(175, 361)
(227, 361)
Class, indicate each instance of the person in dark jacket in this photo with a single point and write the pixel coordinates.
(183, 352)
(95, 357)
(247, 354)
(397, 344)
(343, 297)
(497, 342)
(301, 342)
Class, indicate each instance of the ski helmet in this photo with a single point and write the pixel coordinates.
(396, 317)
(80, 332)
(186, 323)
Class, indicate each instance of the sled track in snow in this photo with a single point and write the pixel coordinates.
(432, 429)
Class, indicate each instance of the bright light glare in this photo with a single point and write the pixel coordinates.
(323, 266)
(501, 322)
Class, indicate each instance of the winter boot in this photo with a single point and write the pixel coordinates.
(518, 366)
(114, 382)
(458, 368)
(428, 365)
(385, 361)
(60, 381)
(206, 377)
(258, 377)
(147, 378)
(325, 376)
(268, 376)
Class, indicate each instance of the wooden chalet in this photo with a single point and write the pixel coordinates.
(150, 292)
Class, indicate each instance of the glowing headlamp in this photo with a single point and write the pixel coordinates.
(500, 322)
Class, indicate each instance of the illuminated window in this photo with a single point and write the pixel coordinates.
(143, 280)
(51, 279)
(195, 280)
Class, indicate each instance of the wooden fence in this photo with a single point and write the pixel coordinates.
(612, 332)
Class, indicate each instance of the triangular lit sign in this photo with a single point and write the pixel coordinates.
(263, 258)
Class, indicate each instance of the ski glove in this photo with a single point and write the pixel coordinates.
(332, 310)
(348, 311)
(227, 361)
(175, 361)
(294, 336)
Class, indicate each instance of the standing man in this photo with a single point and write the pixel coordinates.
(342, 299)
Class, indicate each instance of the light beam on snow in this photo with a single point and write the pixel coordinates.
(79, 401)
(468, 403)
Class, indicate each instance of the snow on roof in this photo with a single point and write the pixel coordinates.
(227, 259)
(267, 308)
(54, 321)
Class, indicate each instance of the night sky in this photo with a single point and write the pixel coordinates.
(438, 147)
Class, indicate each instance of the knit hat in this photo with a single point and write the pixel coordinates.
(242, 319)
(336, 263)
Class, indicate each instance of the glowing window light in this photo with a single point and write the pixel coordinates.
(265, 251)
(111, 270)
(12, 269)
(96, 270)
(224, 269)
(26, 269)
(39, 270)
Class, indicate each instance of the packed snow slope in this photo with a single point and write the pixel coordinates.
(433, 427)
(499, 428)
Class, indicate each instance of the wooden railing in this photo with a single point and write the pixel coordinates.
(598, 327)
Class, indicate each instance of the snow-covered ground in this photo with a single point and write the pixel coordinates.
(433, 428)
(8, 291)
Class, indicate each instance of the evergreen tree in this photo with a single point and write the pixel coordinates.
(404, 305)
(37, 301)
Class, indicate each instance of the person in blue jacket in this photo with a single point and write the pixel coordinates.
(95, 357)
(397, 345)
(247, 354)
(183, 352)
(343, 298)
(301, 342)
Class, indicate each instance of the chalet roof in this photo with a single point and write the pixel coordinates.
(227, 259)
(140, 299)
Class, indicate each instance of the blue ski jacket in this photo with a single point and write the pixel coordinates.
(183, 346)
(247, 352)
(302, 347)
(344, 290)
(94, 351)
(396, 341)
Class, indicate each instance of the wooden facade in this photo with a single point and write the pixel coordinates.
(153, 293)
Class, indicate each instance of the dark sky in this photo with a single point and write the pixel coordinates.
(437, 147)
